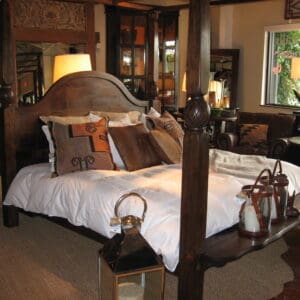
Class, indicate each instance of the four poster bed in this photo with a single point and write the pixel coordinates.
(86, 199)
(198, 244)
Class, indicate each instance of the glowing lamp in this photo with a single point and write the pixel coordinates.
(70, 63)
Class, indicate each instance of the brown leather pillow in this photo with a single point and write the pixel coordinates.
(167, 148)
(81, 147)
(168, 123)
(134, 146)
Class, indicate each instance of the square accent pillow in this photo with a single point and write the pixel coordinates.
(253, 135)
(134, 146)
(62, 120)
(81, 147)
(168, 123)
(167, 148)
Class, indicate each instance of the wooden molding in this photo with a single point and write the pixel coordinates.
(292, 9)
(132, 4)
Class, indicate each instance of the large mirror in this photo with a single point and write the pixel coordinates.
(35, 67)
(223, 78)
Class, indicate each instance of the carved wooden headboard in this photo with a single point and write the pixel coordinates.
(74, 94)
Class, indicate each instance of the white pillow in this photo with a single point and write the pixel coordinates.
(115, 153)
(47, 133)
(152, 113)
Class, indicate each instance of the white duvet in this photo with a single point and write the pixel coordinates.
(88, 198)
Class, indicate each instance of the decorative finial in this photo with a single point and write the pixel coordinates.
(196, 113)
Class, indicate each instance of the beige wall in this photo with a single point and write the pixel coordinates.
(182, 53)
(232, 26)
(249, 21)
(183, 37)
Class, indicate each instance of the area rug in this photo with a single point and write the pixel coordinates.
(42, 260)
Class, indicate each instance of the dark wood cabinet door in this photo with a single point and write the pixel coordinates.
(127, 44)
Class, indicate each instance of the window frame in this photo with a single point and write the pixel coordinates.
(267, 64)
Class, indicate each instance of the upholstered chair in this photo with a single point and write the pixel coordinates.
(259, 133)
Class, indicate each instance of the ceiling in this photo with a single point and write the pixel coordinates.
(161, 2)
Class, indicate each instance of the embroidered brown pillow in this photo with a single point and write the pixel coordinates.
(168, 123)
(254, 135)
(167, 148)
(81, 147)
(134, 146)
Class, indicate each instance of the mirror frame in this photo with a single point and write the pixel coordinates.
(234, 54)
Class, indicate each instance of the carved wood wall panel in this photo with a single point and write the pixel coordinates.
(49, 14)
(292, 9)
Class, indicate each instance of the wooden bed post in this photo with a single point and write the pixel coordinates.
(7, 103)
(195, 154)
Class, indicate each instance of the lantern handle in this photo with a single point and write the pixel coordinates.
(259, 177)
(278, 163)
(123, 197)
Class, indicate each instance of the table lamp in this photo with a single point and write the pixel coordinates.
(70, 63)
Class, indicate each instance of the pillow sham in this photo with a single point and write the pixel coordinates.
(124, 121)
(66, 119)
(167, 148)
(81, 147)
(45, 129)
(168, 123)
(132, 116)
(134, 146)
(254, 135)
(152, 113)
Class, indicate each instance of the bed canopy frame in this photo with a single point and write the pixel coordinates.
(22, 142)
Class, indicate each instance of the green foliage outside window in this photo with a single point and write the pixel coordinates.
(286, 45)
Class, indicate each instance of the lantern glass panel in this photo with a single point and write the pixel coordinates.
(147, 285)
(281, 190)
(255, 212)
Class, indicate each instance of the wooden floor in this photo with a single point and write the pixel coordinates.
(291, 289)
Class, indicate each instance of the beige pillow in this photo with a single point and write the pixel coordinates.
(134, 146)
(168, 123)
(132, 116)
(167, 148)
(66, 119)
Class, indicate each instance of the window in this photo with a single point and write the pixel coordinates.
(281, 82)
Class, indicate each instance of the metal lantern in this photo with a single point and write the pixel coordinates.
(268, 182)
(281, 193)
(129, 269)
(279, 183)
(255, 213)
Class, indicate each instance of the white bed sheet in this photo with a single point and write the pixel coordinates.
(88, 198)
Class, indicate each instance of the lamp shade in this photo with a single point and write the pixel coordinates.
(295, 68)
(70, 63)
